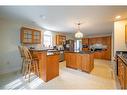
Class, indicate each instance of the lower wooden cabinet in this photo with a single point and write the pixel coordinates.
(122, 73)
(84, 62)
(71, 60)
(87, 62)
(48, 64)
(102, 55)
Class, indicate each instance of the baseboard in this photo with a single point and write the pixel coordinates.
(12, 72)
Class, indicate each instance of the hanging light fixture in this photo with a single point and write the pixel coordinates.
(78, 34)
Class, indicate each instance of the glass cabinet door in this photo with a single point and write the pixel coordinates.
(27, 36)
(36, 36)
(30, 36)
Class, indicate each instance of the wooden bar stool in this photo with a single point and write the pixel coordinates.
(30, 64)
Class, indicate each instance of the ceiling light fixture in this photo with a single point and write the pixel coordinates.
(118, 17)
(78, 34)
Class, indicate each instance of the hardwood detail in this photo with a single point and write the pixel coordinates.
(105, 54)
(30, 36)
(48, 64)
(84, 62)
(60, 39)
(122, 73)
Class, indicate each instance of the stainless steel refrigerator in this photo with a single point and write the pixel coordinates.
(73, 45)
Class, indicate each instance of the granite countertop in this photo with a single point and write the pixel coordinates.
(81, 52)
(49, 52)
(39, 50)
(123, 58)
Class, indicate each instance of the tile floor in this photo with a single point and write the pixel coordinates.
(101, 77)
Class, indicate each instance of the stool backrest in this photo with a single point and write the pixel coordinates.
(21, 51)
(27, 53)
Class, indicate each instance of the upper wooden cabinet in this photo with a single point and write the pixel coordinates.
(30, 36)
(60, 39)
(85, 41)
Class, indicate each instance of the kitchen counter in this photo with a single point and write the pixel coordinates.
(80, 60)
(81, 52)
(49, 52)
(48, 63)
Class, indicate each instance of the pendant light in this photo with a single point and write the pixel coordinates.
(78, 34)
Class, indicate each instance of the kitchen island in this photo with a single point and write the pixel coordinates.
(48, 63)
(80, 60)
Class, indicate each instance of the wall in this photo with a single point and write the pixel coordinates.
(119, 36)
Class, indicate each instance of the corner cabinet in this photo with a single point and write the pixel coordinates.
(30, 36)
(60, 39)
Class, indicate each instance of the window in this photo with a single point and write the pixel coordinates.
(47, 39)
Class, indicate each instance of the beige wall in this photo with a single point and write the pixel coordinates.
(119, 36)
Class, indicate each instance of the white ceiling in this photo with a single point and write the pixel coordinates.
(94, 19)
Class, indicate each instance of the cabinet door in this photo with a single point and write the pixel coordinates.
(98, 55)
(26, 36)
(85, 41)
(67, 58)
(60, 39)
(52, 66)
(36, 37)
(30, 36)
(79, 61)
(85, 63)
(73, 61)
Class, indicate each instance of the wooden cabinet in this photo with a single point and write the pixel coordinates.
(84, 62)
(87, 62)
(53, 66)
(71, 60)
(122, 73)
(85, 41)
(48, 64)
(105, 54)
(60, 39)
(30, 36)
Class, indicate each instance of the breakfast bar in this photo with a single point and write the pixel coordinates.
(48, 64)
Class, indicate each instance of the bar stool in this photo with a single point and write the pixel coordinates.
(30, 64)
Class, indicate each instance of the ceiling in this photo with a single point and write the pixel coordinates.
(94, 19)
